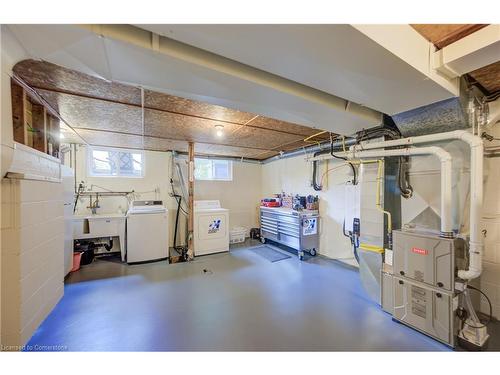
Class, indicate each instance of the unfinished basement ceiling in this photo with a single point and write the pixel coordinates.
(78, 48)
(107, 113)
(338, 59)
(442, 35)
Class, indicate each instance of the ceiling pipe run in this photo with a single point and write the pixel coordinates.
(214, 157)
(444, 158)
(307, 151)
(476, 188)
(185, 52)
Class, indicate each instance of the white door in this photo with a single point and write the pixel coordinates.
(147, 237)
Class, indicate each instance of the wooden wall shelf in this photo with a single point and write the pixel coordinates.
(33, 125)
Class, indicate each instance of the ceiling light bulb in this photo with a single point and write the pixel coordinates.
(219, 130)
(61, 136)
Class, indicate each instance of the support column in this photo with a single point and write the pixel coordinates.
(191, 200)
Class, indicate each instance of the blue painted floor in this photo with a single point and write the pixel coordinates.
(241, 302)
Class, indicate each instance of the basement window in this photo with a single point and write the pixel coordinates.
(109, 162)
(213, 170)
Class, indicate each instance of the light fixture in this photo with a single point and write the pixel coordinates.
(219, 130)
(61, 136)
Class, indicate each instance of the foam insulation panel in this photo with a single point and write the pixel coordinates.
(108, 113)
(156, 100)
(81, 112)
(42, 74)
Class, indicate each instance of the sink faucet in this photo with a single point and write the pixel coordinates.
(94, 205)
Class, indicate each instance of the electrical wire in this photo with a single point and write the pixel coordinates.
(308, 139)
(354, 179)
(330, 170)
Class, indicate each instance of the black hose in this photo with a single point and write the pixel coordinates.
(178, 199)
(403, 178)
(380, 131)
(489, 303)
(354, 179)
(315, 167)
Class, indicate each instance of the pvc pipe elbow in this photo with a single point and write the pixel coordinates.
(471, 139)
(475, 262)
(469, 274)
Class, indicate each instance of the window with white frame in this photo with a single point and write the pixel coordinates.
(110, 162)
(213, 169)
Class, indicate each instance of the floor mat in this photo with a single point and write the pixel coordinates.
(269, 253)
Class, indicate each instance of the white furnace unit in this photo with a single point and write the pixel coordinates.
(147, 232)
(211, 228)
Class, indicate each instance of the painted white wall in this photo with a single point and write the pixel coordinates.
(490, 279)
(241, 195)
(293, 176)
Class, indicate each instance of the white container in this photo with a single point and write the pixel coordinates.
(237, 235)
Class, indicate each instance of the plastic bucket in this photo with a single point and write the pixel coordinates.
(77, 257)
(237, 235)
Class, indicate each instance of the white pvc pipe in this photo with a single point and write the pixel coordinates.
(476, 188)
(444, 158)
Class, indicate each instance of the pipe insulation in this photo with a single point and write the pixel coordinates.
(200, 57)
(476, 187)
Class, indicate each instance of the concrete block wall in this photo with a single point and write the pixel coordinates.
(32, 256)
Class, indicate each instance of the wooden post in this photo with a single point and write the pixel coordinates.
(191, 200)
(18, 112)
(38, 114)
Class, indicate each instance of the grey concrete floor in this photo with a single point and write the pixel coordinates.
(224, 302)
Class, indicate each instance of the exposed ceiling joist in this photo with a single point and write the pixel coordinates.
(444, 35)
(470, 53)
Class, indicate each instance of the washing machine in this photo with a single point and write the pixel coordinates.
(147, 232)
(211, 227)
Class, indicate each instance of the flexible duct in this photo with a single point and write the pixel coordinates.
(476, 188)
(445, 160)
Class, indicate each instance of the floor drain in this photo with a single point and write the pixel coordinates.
(207, 272)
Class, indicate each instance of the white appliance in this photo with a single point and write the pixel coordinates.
(147, 232)
(68, 182)
(211, 227)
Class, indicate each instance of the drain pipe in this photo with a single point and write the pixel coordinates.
(445, 160)
(476, 188)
